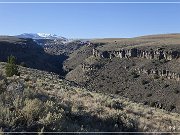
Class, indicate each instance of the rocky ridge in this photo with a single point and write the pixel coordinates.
(134, 52)
(157, 55)
(146, 70)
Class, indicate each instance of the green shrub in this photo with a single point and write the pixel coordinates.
(11, 67)
(152, 104)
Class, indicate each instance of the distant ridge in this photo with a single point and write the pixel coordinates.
(40, 36)
(168, 35)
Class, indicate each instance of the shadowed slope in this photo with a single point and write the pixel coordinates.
(30, 54)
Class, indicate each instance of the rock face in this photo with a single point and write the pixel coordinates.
(161, 73)
(87, 67)
(158, 54)
(134, 52)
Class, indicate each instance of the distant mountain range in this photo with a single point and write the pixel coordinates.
(41, 36)
(54, 44)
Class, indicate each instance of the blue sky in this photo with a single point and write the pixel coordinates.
(90, 20)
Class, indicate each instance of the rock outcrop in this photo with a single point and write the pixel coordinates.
(161, 73)
(134, 52)
(158, 54)
(87, 67)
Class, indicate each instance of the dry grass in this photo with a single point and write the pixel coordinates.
(51, 104)
(144, 42)
(11, 39)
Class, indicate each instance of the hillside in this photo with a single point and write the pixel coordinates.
(77, 57)
(29, 54)
(144, 69)
(58, 47)
(54, 44)
(130, 85)
(40, 101)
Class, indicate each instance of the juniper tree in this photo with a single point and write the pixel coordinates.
(11, 67)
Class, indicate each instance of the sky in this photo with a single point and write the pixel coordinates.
(90, 20)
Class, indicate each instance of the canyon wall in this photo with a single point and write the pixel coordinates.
(160, 73)
(157, 54)
(134, 52)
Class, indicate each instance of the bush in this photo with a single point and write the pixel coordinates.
(32, 109)
(149, 95)
(172, 107)
(176, 91)
(166, 85)
(2, 86)
(152, 104)
(11, 67)
(144, 82)
(156, 77)
(134, 74)
(162, 61)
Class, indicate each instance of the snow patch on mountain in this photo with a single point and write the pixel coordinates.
(41, 36)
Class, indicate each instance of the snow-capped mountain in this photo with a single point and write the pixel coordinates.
(45, 35)
(54, 44)
(41, 36)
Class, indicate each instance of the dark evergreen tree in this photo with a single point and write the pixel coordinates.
(11, 67)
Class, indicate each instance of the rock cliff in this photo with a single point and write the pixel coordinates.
(134, 52)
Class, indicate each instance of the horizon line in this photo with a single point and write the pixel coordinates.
(88, 2)
(114, 37)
